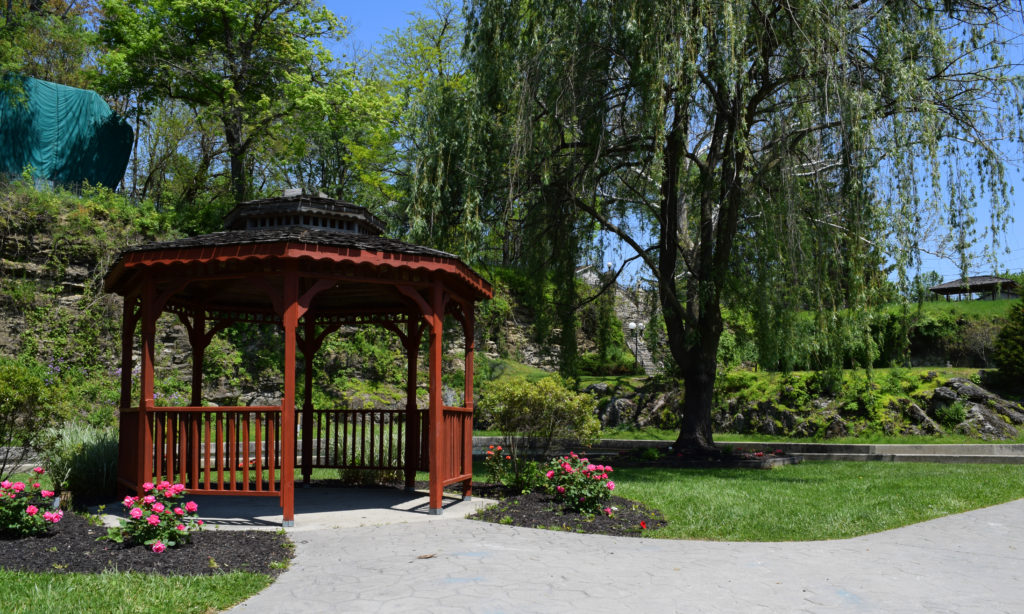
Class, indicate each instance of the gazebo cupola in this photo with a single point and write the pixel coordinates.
(309, 265)
(300, 210)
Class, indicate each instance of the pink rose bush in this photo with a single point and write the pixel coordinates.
(158, 518)
(20, 507)
(579, 484)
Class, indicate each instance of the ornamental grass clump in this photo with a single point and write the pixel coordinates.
(579, 484)
(24, 508)
(159, 519)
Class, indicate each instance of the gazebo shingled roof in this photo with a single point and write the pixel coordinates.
(309, 265)
(980, 283)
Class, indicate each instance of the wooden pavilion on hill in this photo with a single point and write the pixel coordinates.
(988, 286)
(309, 265)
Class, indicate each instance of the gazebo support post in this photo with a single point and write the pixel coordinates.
(309, 350)
(290, 320)
(435, 412)
(467, 442)
(128, 443)
(145, 435)
(412, 412)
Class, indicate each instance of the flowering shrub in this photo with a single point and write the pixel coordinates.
(24, 508)
(504, 469)
(579, 484)
(158, 519)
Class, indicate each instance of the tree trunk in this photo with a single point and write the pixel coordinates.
(236, 154)
(698, 395)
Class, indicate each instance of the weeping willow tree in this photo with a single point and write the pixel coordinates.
(773, 153)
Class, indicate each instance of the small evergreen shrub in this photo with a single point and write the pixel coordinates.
(1008, 350)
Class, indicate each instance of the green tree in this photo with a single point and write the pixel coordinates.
(246, 63)
(45, 39)
(767, 153)
(1009, 345)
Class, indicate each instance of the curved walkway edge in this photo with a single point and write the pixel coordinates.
(970, 562)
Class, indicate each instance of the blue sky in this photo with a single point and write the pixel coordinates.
(370, 21)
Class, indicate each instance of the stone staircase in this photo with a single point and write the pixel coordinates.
(628, 309)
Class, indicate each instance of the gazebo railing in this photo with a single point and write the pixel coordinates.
(456, 458)
(370, 439)
(218, 450)
(237, 450)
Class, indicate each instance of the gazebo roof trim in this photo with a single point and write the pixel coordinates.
(246, 244)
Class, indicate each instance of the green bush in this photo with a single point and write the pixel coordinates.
(81, 459)
(951, 415)
(1009, 345)
(22, 414)
(537, 413)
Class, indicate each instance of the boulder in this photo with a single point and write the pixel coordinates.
(942, 397)
(837, 427)
(598, 389)
(986, 423)
(924, 425)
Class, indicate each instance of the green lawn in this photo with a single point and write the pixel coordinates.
(110, 593)
(812, 501)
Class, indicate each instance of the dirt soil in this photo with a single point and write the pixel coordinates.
(70, 546)
(539, 510)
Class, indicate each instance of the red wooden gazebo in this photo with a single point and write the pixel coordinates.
(309, 265)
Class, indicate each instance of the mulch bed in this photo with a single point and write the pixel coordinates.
(70, 546)
(540, 511)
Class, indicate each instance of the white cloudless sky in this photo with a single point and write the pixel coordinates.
(369, 21)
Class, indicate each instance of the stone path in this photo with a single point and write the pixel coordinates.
(972, 562)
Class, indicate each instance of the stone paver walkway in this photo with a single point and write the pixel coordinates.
(972, 562)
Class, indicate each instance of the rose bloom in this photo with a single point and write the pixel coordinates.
(31, 510)
(18, 486)
(153, 519)
(561, 490)
(149, 499)
(39, 470)
(191, 506)
(5, 484)
(180, 527)
(46, 493)
(549, 474)
(136, 513)
(158, 507)
(179, 511)
(163, 485)
(35, 485)
(169, 493)
(177, 488)
(159, 547)
(127, 501)
(610, 485)
(147, 486)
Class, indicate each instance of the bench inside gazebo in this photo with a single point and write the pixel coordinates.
(308, 265)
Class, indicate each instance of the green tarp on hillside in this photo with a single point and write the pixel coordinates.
(68, 135)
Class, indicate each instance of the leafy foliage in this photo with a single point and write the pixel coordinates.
(82, 459)
(537, 413)
(23, 415)
(1009, 345)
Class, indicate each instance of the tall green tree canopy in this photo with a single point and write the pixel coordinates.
(247, 63)
(765, 151)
